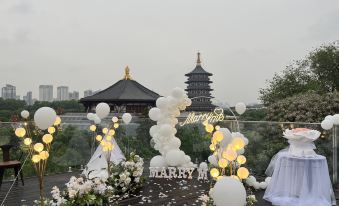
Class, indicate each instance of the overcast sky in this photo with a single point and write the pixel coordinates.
(87, 44)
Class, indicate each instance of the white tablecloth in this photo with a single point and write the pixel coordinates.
(300, 181)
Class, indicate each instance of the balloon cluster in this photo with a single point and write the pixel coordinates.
(163, 133)
(102, 110)
(45, 118)
(228, 150)
(329, 121)
(252, 182)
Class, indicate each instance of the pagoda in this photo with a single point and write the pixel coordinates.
(126, 95)
(198, 89)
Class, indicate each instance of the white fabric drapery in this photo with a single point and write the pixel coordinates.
(300, 181)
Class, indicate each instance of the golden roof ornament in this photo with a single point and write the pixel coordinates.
(198, 60)
(127, 75)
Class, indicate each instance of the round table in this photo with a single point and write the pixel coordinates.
(298, 181)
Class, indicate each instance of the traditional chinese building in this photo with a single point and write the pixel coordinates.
(126, 95)
(199, 89)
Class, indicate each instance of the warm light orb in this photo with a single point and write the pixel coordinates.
(98, 138)
(27, 141)
(238, 143)
(241, 159)
(222, 163)
(38, 147)
(115, 119)
(47, 138)
(44, 155)
(108, 138)
(217, 128)
(36, 158)
(212, 147)
(92, 128)
(105, 130)
(111, 132)
(57, 121)
(229, 154)
(218, 136)
(116, 125)
(214, 172)
(51, 130)
(209, 128)
(20, 132)
(243, 173)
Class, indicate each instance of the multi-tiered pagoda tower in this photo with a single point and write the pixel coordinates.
(198, 89)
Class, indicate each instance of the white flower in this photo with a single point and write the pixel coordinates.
(137, 180)
(72, 193)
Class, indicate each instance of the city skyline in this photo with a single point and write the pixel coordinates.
(242, 43)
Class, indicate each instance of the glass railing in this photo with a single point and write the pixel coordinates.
(74, 144)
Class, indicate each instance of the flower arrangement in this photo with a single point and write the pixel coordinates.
(207, 200)
(81, 191)
(126, 177)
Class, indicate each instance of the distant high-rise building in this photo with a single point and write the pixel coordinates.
(46, 93)
(62, 93)
(28, 98)
(199, 89)
(74, 95)
(88, 92)
(8, 92)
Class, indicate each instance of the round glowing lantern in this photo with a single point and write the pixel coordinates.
(98, 138)
(243, 173)
(108, 138)
(27, 141)
(111, 132)
(241, 159)
(47, 138)
(229, 154)
(44, 155)
(217, 127)
(222, 163)
(93, 128)
(116, 125)
(115, 119)
(212, 147)
(209, 128)
(214, 172)
(20, 132)
(51, 130)
(57, 121)
(38, 147)
(218, 136)
(36, 158)
(105, 130)
(238, 143)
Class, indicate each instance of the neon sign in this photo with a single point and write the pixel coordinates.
(211, 117)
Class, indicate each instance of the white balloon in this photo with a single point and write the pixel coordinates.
(229, 191)
(240, 108)
(154, 114)
(227, 137)
(336, 119)
(256, 185)
(166, 130)
(102, 110)
(268, 180)
(161, 102)
(44, 117)
(153, 130)
(188, 102)
(90, 116)
(241, 151)
(127, 117)
(174, 143)
(187, 159)
(25, 114)
(115, 119)
(178, 92)
(158, 161)
(326, 124)
(175, 158)
(96, 119)
(330, 118)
